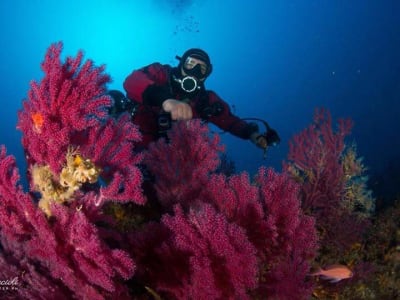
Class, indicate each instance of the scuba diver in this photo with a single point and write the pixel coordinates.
(159, 94)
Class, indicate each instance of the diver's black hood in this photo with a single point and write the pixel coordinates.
(199, 54)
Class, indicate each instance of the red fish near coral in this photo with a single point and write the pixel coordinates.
(334, 273)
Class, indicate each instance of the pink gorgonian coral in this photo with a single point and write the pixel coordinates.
(267, 211)
(65, 251)
(67, 112)
(198, 255)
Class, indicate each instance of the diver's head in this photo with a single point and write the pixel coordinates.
(194, 67)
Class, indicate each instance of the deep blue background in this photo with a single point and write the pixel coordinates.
(277, 60)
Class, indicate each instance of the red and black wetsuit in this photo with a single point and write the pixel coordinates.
(150, 86)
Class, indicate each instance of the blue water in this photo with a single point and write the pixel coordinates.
(276, 60)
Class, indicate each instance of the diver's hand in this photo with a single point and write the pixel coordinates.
(259, 140)
(179, 110)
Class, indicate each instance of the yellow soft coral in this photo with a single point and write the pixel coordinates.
(352, 165)
(76, 172)
(357, 198)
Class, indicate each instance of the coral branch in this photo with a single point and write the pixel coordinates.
(327, 171)
(206, 256)
(63, 118)
(182, 165)
(69, 99)
(267, 212)
(315, 153)
(68, 249)
(68, 110)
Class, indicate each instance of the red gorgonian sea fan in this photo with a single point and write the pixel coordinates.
(266, 212)
(67, 111)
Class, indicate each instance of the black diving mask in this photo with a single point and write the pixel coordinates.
(194, 67)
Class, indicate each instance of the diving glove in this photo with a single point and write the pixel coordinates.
(259, 140)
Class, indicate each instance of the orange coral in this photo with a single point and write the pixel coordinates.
(38, 120)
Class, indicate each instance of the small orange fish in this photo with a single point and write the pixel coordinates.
(334, 273)
(38, 120)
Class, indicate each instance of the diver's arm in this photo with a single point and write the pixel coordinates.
(227, 121)
(149, 85)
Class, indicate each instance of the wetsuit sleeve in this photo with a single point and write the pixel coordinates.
(149, 85)
(229, 122)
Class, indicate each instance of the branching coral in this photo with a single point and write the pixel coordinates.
(222, 262)
(334, 190)
(67, 111)
(182, 165)
(328, 176)
(266, 215)
(314, 154)
(68, 101)
(65, 252)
